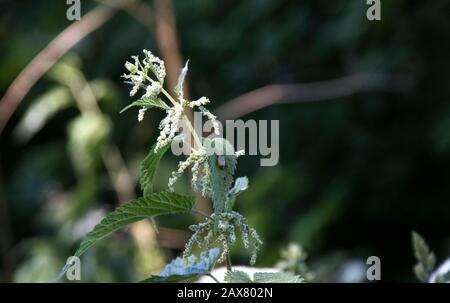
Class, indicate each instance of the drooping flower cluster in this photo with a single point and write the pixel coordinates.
(196, 158)
(200, 104)
(169, 125)
(152, 90)
(212, 118)
(204, 235)
(141, 114)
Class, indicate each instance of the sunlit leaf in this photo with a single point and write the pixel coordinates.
(181, 270)
(237, 277)
(179, 87)
(156, 204)
(262, 277)
(146, 103)
(276, 277)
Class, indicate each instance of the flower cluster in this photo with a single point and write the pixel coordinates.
(196, 158)
(138, 72)
(154, 64)
(138, 77)
(212, 118)
(169, 125)
(152, 90)
(141, 114)
(205, 234)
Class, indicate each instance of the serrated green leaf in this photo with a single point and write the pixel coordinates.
(156, 204)
(179, 87)
(186, 269)
(221, 177)
(171, 279)
(262, 277)
(146, 103)
(237, 277)
(276, 277)
(148, 168)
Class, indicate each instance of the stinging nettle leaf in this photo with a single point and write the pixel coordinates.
(262, 277)
(146, 103)
(179, 87)
(182, 270)
(148, 168)
(276, 277)
(156, 204)
(221, 177)
(237, 277)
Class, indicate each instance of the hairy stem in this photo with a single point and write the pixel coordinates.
(188, 122)
(214, 278)
(228, 261)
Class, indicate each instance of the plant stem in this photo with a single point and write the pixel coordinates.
(188, 123)
(171, 99)
(214, 278)
(228, 261)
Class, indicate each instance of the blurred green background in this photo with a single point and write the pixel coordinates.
(357, 172)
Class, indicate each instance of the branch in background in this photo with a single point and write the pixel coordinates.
(137, 9)
(166, 38)
(311, 92)
(172, 238)
(48, 57)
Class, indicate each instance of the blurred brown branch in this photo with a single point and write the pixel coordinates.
(48, 57)
(172, 238)
(311, 92)
(137, 9)
(166, 37)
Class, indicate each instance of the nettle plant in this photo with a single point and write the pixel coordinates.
(213, 162)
